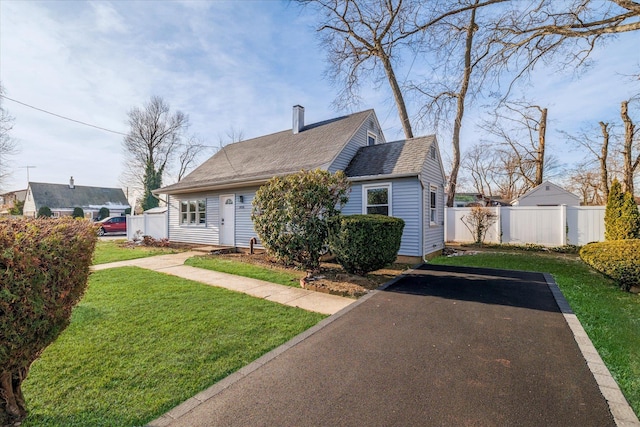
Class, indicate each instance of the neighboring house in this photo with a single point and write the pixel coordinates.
(63, 198)
(404, 179)
(8, 200)
(547, 194)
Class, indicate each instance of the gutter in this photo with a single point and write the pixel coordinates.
(382, 177)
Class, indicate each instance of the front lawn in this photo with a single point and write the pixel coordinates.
(610, 317)
(280, 276)
(142, 342)
(117, 250)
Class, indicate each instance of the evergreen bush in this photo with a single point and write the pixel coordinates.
(45, 212)
(618, 259)
(290, 214)
(365, 243)
(44, 267)
(77, 213)
(621, 218)
(103, 213)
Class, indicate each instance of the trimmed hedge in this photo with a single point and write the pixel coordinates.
(44, 267)
(618, 259)
(365, 243)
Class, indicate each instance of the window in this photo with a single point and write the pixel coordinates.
(377, 199)
(433, 213)
(433, 152)
(193, 212)
(371, 138)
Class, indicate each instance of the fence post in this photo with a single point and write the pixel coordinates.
(563, 225)
(498, 224)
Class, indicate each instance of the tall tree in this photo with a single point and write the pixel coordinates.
(154, 138)
(521, 128)
(630, 162)
(8, 145)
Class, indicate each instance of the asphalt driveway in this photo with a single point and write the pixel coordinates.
(445, 346)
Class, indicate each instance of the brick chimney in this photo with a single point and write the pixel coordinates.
(71, 185)
(298, 118)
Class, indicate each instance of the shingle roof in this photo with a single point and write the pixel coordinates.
(392, 158)
(315, 146)
(60, 196)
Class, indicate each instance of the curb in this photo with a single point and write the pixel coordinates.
(620, 409)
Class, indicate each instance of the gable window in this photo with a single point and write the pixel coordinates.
(377, 199)
(371, 138)
(433, 213)
(193, 212)
(433, 152)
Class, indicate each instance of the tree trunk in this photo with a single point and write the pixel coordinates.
(397, 94)
(457, 124)
(542, 130)
(12, 406)
(604, 173)
(628, 167)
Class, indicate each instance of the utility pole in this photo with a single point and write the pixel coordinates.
(27, 168)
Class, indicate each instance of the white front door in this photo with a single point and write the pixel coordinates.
(227, 220)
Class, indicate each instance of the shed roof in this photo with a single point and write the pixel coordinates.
(61, 196)
(281, 153)
(392, 158)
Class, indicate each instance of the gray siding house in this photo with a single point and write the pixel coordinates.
(212, 205)
(547, 194)
(63, 198)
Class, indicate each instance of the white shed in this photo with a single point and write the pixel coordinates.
(547, 194)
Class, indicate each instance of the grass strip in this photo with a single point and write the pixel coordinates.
(142, 342)
(112, 251)
(267, 274)
(610, 316)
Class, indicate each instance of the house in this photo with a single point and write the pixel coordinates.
(547, 194)
(213, 204)
(63, 198)
(8, 200)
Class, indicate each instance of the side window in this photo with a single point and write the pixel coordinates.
(371, 138)
(433, 212)
(377, 199)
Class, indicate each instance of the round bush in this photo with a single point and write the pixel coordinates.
(365, 243)
(618, 259)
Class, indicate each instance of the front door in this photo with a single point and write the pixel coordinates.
(227, 220)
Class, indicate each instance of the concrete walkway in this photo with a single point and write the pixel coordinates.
(173, 264)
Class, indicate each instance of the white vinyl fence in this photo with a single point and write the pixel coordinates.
(542, 225)
(154, 225)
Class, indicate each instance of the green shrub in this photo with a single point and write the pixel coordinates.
(77, 213)
(621, 218)
(44, 212)
(103, 213)
(290, 214)
(618, 259)
(44, 267)
(365, 243)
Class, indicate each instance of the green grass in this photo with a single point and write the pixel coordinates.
(112, 251)
(141, 342)
(610, 316)
(267, 274)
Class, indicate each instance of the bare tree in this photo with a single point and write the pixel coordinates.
(8, 145)
(153, 140)
(189, 154)
(585, 181)
(630, 164)
(521, 127)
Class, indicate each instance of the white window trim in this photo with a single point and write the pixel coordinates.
(372, 135)
(188, 202)
(386, 185)
(433, 189)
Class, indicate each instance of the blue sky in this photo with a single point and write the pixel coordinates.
(229, 65)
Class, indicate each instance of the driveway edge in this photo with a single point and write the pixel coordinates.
(622, 413)
(200, 398)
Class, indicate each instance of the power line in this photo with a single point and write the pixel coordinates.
(63, 117)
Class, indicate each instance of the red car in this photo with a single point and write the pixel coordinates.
(112, 224)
